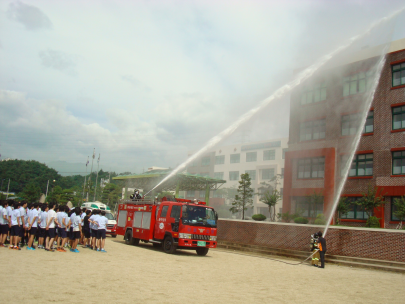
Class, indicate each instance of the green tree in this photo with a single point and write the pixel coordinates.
(369, 201)
(55, 195)
(342, 208)
(270, 196)
(244, 199)
(31, 193)
(400, 212)
(111, 194)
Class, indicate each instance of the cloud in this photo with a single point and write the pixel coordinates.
(30, 16)
(58, 60)
(135, 82)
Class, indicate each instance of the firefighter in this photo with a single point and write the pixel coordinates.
(322, 249)
(315, 250)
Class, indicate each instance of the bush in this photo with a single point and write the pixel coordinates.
(373, 222)
(287, 217)
(258, 217)
(320, 220)
(301, 220)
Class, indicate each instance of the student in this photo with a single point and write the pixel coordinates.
(322, 248)
(4, 223)
(63, 222)
(77, 229)
(33, 225)
(55, 242)
(23, 206)
(101, 222)
(42, 225)
(83, 214)
(51, 223)
(94, 228)
(86, 229)
(9, 213)
(15, 227)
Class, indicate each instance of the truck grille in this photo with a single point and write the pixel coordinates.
(110, 226)
(200, 237)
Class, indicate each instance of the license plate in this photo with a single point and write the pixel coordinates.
(108, 230)
(201, 243)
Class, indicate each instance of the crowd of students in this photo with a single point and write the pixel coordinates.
(51, 225)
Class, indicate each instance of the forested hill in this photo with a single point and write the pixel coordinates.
(23, 172)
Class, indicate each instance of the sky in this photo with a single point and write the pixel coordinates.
(144, 82)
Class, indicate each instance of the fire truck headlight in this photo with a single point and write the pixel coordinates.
(185, 236)
(213, 238)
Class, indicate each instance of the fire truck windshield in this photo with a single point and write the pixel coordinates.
(198, 216)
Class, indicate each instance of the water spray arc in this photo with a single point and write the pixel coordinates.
(301, 77)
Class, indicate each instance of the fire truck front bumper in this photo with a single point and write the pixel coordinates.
(189, 243)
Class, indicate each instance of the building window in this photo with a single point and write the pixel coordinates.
(350, 123)
(398, 74)
(205, 161)
(304, 206)
(193, 164)
(269, 154)
(398, 118)
(233, 175)
(311, 167)
(235, 158)
(398, 162)
(357, 83)
(362, 165)
(205, 174)
(267, 173)
(312, 130)
(394, 208)
(284, 150)
(190, 193)
(252, 174)
(220, 159)
(219, 175)
(356, 212)
(202, 194)
(251, 156)
(313, 93)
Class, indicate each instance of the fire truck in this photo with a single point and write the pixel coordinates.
(178, 224)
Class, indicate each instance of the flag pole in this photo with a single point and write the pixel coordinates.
(84, 185)
(91, 172)
(98, 166)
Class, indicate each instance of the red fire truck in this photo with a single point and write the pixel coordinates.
(178, 224)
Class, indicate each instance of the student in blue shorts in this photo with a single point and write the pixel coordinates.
(51, 223)
(15, 227)
(76, 230)
(43, 215)
(33, 225)
(4, 223)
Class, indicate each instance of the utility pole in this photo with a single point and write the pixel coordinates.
(8, 188)
(84, 185)
(98, 166)
(47, 185)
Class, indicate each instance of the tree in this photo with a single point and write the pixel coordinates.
(111, 194)
(55, 195)
(400, 212)
(270, 196)
(31, 193)
(369, 201)
(244, 199)
(342, 208)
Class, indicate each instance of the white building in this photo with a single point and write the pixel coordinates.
(262, 160)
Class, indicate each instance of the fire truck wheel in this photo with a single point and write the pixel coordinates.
(128, 237)
(168, 245)
(202, 251)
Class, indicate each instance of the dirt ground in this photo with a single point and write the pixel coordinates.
(145, 274)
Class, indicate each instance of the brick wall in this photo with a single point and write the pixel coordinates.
(345, 241)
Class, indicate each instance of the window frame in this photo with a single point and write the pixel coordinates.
(311, 124)
(354, 123)
(205, 161)
(402, 157)
(221, 158)
(350, 81)
(401, 70)
(392, 209)
(253, 176)
(402, 112)
(312, 162)
(271, 154)
(251, 157)
(356, 160)
(237, 175)
(312, 90)
(222, 175)
(269, 170)
(300, 200)
(355, 210)
(234, 155)
(164, 210)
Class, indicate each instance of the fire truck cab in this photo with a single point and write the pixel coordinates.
(179, 224)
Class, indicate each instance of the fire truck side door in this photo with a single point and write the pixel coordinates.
(161, 222)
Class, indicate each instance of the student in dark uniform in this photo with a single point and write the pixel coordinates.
(322, 249)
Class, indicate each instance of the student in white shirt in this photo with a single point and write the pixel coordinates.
(51, 223)
(43, 215)
(101, 222)
(81, 242)
(63, 222)
(93, 220)
(15, 227)
(33, 225)
(4, 228)
(23, 206)
(77, 229)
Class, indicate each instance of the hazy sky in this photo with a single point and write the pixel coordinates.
(146, 81)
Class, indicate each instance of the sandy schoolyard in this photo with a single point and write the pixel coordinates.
(145, 274)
